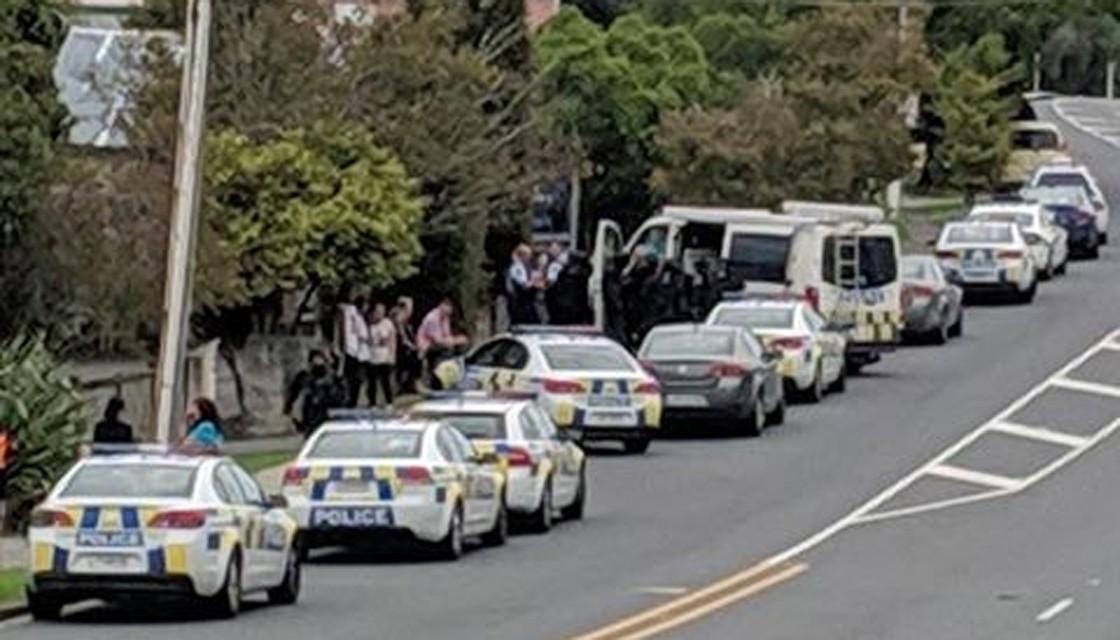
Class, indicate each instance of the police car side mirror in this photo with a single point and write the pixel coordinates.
(277, 502)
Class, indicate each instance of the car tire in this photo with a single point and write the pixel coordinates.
(753, 421)
(287, 592)
(1027, 296)
(497, 536)
(574, 511)
(450, 548)
(1061, 270)
(638, 446)
(840, 384)
(940, 335)
(1093, 252)
(957, 328)
(778, 415)
(226, 603)
(540, 521)
(815, 392)
(42, 607)
(1102, 239)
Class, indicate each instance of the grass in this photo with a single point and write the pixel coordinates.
(259, 461)
(11, 585)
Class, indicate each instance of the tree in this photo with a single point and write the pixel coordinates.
(31, 117)
(970, 101)
(606, 90)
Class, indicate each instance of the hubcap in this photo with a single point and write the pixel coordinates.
(233, 591)
(546, 505)
(457, 533)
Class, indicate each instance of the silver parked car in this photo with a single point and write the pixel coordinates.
(932, 305)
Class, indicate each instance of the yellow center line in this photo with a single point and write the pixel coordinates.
(696, 604)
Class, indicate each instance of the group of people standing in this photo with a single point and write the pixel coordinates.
(547, 287)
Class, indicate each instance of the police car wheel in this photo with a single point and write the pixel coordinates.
(287, 592)
(227, 602)
(496, 536)
(957, 328)
(451, 547)
(540, 521)
(841, 381)
(574, 511)
(778, 415)
(815, 392)
(43, 607)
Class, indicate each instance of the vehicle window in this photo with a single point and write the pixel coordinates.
(446, 449)
(488, 426)
(993, 234)
(249, 486)
(529, 428)
(758, 257)
(350, 445)
(914, 269)
(586, 357)
(754, 347)
(815, 322)
(229, 490)
(544, 422)
(755, 317)
(514, 356)
(131, 481)
(1035, 140)
(878, 265)
(654, 239)
(459, 442)
(1063, 179)
(674, 344)
(487, 355)
(1075, 196)
(1021, 219)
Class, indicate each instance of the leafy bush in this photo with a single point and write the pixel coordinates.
(44, 417)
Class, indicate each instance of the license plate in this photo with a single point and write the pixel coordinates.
(611, 419)
(110, 539)
(107, 562)
(350, 487)
(608, 401)
(980, 275)
(682, 400)
(351, 517)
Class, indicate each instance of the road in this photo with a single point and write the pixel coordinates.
(695, 510)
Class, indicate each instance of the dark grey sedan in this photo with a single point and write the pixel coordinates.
(932, 306)
(715, 372)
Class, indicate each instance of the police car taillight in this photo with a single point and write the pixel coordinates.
(1009, 255)
(186, 519)
(51, 518)
(649, 387)
(414, 475)
(294, 475)
(518, 457)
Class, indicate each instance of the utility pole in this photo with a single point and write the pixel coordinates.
(1037, 83)
(903, 10)
(1110, 80)
(184, 221)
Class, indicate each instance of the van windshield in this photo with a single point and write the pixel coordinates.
(758, 257)
(878, 264)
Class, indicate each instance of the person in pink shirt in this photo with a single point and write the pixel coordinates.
(436, 339)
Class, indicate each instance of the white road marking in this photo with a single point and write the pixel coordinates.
(1087, 387)
(971, 476)
(1054, 610)
(1070, 115)
(937, 505)
(662, 591)
(1112, 346)
(1039, 433)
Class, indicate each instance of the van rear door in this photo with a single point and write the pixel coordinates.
(604, 260)
(757, 255)
(861, 284)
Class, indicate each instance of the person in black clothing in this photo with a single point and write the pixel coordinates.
(111, 430)
(321, 391)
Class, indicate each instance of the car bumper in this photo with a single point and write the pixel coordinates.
(681, 401)
(74, 588)
(425, 522)
(922, 319)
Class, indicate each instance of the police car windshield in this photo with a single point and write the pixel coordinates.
(1058, 195)
(1036, 140)
(475, 425)
(353, 445)
(589, 357)
(984, 234)
(756, 317)
(1063, 179)
(1021, 219)
(131, 481)
(703, 343)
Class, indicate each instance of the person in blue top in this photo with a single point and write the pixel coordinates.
(204, 430)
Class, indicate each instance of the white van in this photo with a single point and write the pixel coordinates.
(843, 259)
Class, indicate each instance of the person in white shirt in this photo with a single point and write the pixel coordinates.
(352, 341)
(382, 355)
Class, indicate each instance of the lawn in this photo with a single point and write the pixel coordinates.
(11, 585)
(254, 462)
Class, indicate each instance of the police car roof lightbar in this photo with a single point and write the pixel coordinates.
(572, 330)
(369, 413)
(476, 394)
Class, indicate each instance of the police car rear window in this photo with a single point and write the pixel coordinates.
(585, 358)
(676, 344)
(1056, 179)
(756, 317)
(354, 445)
(131, 481)
(1021, 219)
(475, 425)
(998, 234)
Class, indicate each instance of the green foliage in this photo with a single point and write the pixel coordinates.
(43, 415)
(324, 205)
(970, 101)
(606, 90)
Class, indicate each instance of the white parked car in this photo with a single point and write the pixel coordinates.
(363, 480)
(546, 473)
(1076, 175)
(1049, 243)
(988, 257)
(589, 384)
(812, 353)
(137, 525)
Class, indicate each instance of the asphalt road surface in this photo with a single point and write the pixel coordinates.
(1035, 560)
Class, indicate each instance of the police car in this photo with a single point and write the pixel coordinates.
(135, 525)
(545, 470)
(988, 257)
(367, 479)
(589, 384)
(812, 354)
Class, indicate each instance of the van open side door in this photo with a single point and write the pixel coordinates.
(604, 260)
